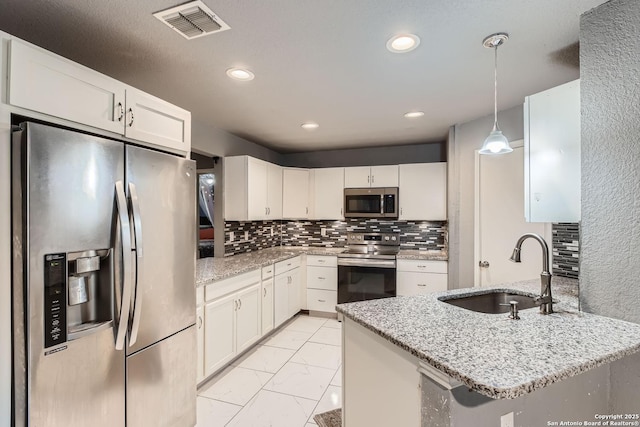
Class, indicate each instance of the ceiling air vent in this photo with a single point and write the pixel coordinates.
(192, 20)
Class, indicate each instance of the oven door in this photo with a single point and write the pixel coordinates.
(364, 279)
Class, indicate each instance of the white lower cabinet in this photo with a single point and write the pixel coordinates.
(417, 277)
(322, 283)
(287, 292)
(232, 319)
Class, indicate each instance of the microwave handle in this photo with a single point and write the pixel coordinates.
(382, 204)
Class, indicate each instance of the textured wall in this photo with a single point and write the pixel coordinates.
(610, 94)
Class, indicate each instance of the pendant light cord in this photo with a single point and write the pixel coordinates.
(495, 88)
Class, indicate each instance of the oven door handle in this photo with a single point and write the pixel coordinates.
(359, 262)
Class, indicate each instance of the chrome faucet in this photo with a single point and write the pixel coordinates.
(545, 300)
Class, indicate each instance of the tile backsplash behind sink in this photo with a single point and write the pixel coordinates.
(418, 235)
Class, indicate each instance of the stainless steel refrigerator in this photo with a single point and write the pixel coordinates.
(103, 282)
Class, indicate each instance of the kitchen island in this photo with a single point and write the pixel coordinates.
(420, 361)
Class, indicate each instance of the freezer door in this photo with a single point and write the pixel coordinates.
(63, 201)
(161, 383)
(162, 192)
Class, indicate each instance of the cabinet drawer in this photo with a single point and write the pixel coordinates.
(412, 283)
(422, 266)
(231, 284)
(322, 300)
(322, 278)
(286, 265)
(267, 271)
(322, 260)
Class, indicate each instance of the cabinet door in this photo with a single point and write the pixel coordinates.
(328, 193)
(295, 293)
(295, 193)
(200, 339)
(153, 120)
(423, 191)
(384, 176)
(281, 299)
(248, 317)
(274, 191)
(219, 333)
(412, 283)
(357, 177)
(47, 83)
(257, 189)
(267, 305)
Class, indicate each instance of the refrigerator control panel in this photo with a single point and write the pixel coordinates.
(55, 302)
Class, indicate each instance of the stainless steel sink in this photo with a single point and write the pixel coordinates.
(492, 302)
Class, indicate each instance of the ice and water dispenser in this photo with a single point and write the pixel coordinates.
(78, 294)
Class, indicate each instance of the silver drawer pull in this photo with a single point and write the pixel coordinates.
(421, 284)
(321, 260)
(321, 300)
(422, 266)
(321, 278)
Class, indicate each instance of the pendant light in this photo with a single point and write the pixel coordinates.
(496, 142)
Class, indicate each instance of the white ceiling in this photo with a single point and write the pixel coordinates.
(320, 60)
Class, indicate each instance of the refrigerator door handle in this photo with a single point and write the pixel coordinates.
(125, 236)
(136, 296)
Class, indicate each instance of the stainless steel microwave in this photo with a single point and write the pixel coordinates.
(371, 202)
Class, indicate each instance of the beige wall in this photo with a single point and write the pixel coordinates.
(464, 140)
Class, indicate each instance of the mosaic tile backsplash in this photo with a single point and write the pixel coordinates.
(418, 235)
(566, 249)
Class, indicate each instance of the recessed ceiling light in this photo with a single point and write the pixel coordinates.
(310, 126)
(240, 74)
(403, 43)
(414, 114)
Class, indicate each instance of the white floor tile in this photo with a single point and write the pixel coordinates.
(333, 323)
(326, 335)
(321, 355)
(237, 386)
(266, 358)
(301, 380)
(292, 340)
(274, 409)
(331, 399)
(306, 324)
(337, 378)
(213, 413)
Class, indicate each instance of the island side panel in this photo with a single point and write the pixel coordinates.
(578, 398)
(381, 382)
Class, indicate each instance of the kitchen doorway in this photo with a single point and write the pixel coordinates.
(500, 221)
(206, 186)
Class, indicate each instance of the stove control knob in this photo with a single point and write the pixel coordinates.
(393, 238)
(386, 237)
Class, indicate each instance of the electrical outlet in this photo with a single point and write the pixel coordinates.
(232, 236)
(507, 420)
(246, 235)
(323, 232)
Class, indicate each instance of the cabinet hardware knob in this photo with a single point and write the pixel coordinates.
(131, 121)
(199, 322)
(239, 304)
(121, 107)
(321, 278)
(321, 300)
(421, 285)
(483, 264)
(264, 292)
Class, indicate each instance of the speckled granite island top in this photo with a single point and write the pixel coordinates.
(489, 353)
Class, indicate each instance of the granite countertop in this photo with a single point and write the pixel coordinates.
(491, 354)
(212, 269)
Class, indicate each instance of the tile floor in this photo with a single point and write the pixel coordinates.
(284, 381)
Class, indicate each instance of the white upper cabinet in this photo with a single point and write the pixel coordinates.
(153, 120)
(252, 189)
(295, 193)
(423, 192)
(374, 176)
(50, 84)
(552, 154)
(47, 83)
(327, 193)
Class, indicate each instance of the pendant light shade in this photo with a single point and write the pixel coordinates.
(496, 142)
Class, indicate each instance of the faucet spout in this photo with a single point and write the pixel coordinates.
(545, 299)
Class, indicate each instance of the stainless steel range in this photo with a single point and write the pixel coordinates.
(367, 269)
